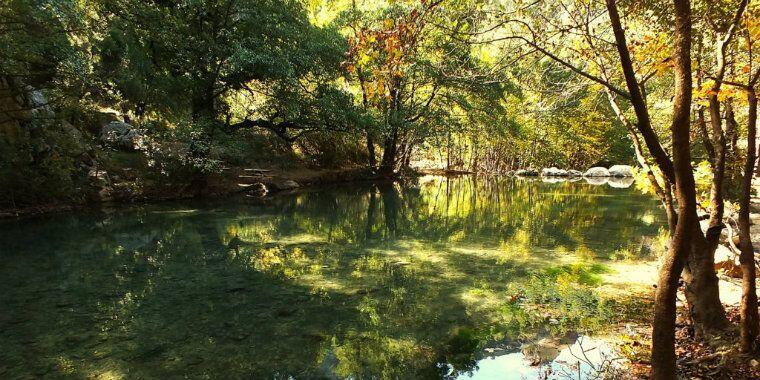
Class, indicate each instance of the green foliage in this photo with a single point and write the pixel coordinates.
(221, 59)
(238, 82)
(39, 167)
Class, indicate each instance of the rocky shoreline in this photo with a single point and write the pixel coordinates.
(253, 182)
(618, 171)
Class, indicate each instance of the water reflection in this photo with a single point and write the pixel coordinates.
(615, 182)
(365, 281)
(581, 358)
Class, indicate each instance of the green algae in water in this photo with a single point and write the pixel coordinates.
(363, 281)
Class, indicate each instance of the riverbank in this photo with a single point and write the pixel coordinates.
(128, 187)
(631, 340)
(128, 178)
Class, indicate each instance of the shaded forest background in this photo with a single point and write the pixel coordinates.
(192, 87)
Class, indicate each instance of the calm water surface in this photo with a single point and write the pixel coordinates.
(438, 278)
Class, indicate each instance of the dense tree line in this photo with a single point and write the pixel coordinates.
(369, 83)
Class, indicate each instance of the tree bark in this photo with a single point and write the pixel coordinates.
(701, 282)
(732, 127)
(663, 335)
(371, 150)
(701, 286)
(709, 314)
(749, 312)
(388, 162)
(702, 291)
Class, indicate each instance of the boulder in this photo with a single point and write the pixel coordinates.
(574, 173)
(285, 185)
(553, 172)
(120, 135)
(79, 144)
(526, 173)
(39, 104)
(621, 171)
(597, 171)
(106, 115)
(258, 189)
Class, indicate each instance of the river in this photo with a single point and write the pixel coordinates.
(467, 277)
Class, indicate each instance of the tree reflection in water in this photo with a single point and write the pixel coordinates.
(365, 281)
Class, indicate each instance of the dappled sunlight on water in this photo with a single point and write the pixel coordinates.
(413, 280)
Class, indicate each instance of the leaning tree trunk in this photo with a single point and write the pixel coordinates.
(663, 334)
(749, 313)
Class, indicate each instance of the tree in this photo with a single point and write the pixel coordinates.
(228, 64)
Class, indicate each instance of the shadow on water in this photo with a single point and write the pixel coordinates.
(366, 281)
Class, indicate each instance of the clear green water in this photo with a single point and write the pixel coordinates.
(439, 278)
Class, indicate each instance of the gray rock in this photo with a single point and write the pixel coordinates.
(258, 189)
(285, 185)
(553, 172)
(574, 173)
(705, 225)
(122, 136)
(621, 171)
(76, 137)
(597, 171)
(105, 116)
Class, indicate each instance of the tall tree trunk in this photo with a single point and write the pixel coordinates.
(732, 128)
(701, 286)
(371, 150)
(702, 274)
(663, 335)
(388, 162)
(701, 281)
(749, 313)
(407, 162)
(448, 150)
